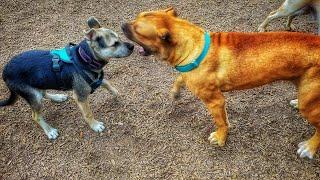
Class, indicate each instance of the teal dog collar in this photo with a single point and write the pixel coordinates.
(196, 62)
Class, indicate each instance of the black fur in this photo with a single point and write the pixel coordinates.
(11, 100)
(30, 72)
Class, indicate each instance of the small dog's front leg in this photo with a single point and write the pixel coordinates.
(107, 85)
(216, 106)
(177, 85)
(83, 104)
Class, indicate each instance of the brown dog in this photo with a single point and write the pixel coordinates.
(233, 61)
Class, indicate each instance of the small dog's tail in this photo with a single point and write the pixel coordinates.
(11, 100)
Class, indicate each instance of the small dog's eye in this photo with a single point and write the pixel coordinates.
(101, 42)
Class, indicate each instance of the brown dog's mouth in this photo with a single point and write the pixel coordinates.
(144, 51)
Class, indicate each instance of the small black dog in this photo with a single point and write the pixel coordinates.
(76, 67)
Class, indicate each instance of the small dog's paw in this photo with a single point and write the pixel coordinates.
(52, 133)
(115, 92)
(97, 126)
(59, 98)
(294, 103)
(215, 139)
(305, 150)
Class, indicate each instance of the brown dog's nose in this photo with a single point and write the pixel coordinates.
(124, 27)
(126, 30)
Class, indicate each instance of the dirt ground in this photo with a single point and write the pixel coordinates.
(147, 137)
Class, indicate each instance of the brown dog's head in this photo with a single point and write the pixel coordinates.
(162, 33)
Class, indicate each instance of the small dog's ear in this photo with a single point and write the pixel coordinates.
(171, 11)
(93, 22)
(90, 34)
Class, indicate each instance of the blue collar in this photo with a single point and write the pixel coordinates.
(196, 62)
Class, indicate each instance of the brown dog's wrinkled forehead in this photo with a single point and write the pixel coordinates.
(160, 13)
(152, 31)
(148, 23)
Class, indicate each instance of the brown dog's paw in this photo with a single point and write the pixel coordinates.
(217, 139)
(307, 149)
(294, 103)
(175, 95)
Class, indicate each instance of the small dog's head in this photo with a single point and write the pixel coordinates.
(157, 32)
(105, 43)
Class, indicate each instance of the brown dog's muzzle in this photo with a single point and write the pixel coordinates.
(143, 50)
(126, 30)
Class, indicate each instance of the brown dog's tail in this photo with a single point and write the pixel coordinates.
(11, 100)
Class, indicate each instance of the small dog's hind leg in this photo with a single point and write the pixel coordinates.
(107, 85)
(34, 98)
(83, 104)
(58, 98)
(51, 132)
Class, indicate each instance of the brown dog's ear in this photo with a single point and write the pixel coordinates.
(165, 35)
(90, 34)
(170, 11)
(93, 22)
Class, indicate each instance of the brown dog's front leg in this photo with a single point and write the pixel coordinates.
(177, 85)
(216, 106)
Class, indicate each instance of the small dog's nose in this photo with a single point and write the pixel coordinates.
(130, 46)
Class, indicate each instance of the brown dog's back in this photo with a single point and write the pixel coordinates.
(248, 59)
